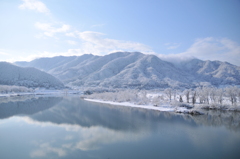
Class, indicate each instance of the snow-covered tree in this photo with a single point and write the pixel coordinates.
(187, 94)
(168, 92)
(205, 94)
(14, 89)
(231, 92)
(238, 94)
(200, 95)
(174, 92)
(156, 101)
(194, 96)
(143, 99)
(180, 99)
(220, 94)
(213, 94)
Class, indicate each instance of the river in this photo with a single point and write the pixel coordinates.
(69, 127)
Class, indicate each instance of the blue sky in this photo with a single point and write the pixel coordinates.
(171, 29)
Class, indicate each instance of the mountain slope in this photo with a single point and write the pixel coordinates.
(28, 77)
(148, 72)
(46, 64)
(136, 70)
(123, 69)
(214, 72)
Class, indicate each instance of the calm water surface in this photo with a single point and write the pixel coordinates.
(68, 127)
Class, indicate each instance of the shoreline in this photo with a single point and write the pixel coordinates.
(166, 108)
(41, 92)
(163, 108)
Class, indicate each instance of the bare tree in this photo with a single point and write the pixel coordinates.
(238, 94)
(205, 94)
(168, 92)
(187, 94)
(213, 94)
(156, 100)
(220, 93)
(231, 92)
(200, 95)
(143, 98)
(180, 99)
(194, 95)
(174, 92)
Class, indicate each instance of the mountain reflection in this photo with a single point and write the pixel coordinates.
(88, 114)
(217, 118)
(25, 105)
(74, 111)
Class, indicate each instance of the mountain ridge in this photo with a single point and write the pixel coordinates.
(27, 76)
(136, 70)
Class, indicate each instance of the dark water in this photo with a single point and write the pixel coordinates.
(68, 127)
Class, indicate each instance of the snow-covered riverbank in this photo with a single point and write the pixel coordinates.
(168, 108)
(127, 104)
(41, 92)
(190, 101)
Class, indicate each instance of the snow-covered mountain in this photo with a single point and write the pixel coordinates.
(135, 70)
(28, 77)
(214, 72)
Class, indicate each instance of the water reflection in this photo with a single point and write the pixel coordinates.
(217, 118)
(88, 114)
(25, 105)
(72, 128)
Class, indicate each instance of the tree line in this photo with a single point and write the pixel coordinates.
(206, 95)
(5, 89)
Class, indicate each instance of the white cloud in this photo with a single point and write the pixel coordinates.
(94, 42)
(82, 138)
(175, 58)
(89, 42)
(46, 149)
(171, 46)
(222, 49)
(34, 5)
(3, 53)
(6, 55)
(71, 42)
(71, 34)
(49, 30)
(94, 137)
(210, 48)
(69, 52)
